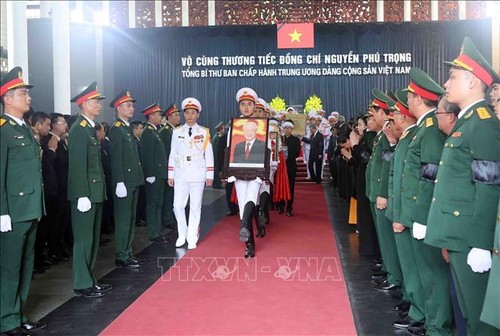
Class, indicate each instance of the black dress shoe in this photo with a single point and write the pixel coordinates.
(17, 332)
(379, 281)
(403, 323)
(385, 286)
(417, 330)
(403, 306)
(379, 273)
(230, 213)
(32, 326)
(249, 251)
(103, 287)
(261, 232)
(159, 240)
(289, 213)
(138, 260)
(128, 264)
(141, 222)
(90, 292)
(244, 234)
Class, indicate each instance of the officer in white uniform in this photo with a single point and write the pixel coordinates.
(247, 190)
(191, 164)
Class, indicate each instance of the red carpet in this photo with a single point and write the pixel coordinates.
(294, 285)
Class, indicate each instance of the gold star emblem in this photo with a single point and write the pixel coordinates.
(295, 36)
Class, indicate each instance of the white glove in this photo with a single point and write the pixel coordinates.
(258, 180)
(121, 190)
(419, 231)
(84, 204)
(151, 179)
(479, 260)
(231, 179)
(5, 223)
(274, 164)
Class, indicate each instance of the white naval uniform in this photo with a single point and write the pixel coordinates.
(190, 164)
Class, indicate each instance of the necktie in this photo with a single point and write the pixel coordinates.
(247, 151)
(189, 133)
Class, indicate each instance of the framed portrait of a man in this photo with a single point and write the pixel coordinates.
(248, 149)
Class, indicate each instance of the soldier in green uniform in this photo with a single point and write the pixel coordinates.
(173, 118)
(126, 177)
(419, 171)
(377, 179)
(464, 206)
(219, 130)
(86, 191)
(21, 204)
(154, 165)
(405, 124)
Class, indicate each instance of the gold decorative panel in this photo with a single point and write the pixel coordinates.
(448, 10)
(421, 10)
(393, 10)
(198, 13)
(145, 14)
(118, 13)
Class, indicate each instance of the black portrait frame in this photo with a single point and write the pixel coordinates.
(248, 171)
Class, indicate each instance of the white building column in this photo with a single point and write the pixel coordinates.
(380, 10)
(45, 9)
(158, 13)
(17, 36)
(131, 14)
(434, 10)
(61, 57)
(407, 10)
(185, 13)
(211, 12)
(462, 10)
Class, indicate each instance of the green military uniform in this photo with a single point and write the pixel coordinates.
(491, 305)
(86, 179)
(168, 217)
(413, 286)
(464, 206)
(126, 168)
(462, 213)
(377, 185)
(21, 198)
(419, 172)
(154, 164)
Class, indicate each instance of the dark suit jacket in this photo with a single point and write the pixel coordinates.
(317, 146)
(256, 154)
(49, 173)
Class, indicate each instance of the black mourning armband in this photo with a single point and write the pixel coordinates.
(428, 172)
(487, 172)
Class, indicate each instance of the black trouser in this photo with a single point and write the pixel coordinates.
(43, 227)
(58, 228)
(292, 172)
(141, 205)
(315, 166)
(233, 207)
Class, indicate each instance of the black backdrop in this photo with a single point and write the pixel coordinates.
(148, 62)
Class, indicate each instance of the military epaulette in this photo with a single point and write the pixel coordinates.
(483, 113)
(178, 127)
(405, 133)
(83, 123)
(2, 121)
(468, 115)
(151, 127)
(429, 122)
(118, 124)
(205, 128)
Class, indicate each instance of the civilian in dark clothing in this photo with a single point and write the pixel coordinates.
(362, 143)
(291, 146)
(62, 222)
(137, 128)
(40, 122)
(315, 160)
